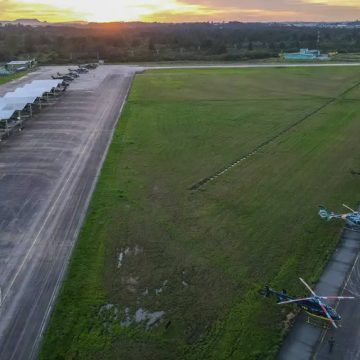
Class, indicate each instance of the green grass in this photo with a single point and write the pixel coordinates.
(347, 57)
(7, 78)
(214, 248)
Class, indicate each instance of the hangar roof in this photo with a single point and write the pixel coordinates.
(6, 114)
(19, 62)
(28, 94)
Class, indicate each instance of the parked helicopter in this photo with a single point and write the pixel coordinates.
(353, 218)
(314, 305)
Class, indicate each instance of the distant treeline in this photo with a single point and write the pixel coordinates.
(137, 42)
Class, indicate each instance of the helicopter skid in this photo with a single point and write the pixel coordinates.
(319, 321)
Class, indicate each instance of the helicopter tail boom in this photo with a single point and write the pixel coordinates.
(280, 295)
(325, 214)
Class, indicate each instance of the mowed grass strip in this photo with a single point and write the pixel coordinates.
(7, 78)
(202, 258)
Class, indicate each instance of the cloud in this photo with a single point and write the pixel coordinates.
(12, 10)
(95, 10)
(181, 10)
(342, 3)
(216, 14)
(284, 10)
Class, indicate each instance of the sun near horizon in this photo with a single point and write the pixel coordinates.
(180, 10)
(99, 11)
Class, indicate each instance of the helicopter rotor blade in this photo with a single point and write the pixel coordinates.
(308, 287)
(293, 301)
(349, 208)
(337, 297)
(327, 314)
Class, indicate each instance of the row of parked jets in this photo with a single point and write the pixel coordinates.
(314, 304)
(75, 73)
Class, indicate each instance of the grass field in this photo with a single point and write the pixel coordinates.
(7, 78)
(161, 272)
(347, 57)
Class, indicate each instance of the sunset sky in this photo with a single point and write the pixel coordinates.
(181, 10)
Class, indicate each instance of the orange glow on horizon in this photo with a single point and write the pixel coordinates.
(178, 10)
(97, 11)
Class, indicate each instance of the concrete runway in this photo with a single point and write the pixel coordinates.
(47, 174)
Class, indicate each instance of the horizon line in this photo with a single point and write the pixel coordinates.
(85, 22)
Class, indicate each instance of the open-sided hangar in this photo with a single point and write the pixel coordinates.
(18, 105)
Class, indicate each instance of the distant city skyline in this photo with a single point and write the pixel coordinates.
(181, 10)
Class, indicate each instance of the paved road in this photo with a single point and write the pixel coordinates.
(47, 174)
(341, 276)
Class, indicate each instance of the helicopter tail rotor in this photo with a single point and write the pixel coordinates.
(324, 213)
(337, 297)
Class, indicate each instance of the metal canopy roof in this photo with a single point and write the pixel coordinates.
(31, 91)
(14, 103)
(19, 95)
(19, 62)
(6, 114)
(39, 88)
(50, 82)
(17, 100)
(14, 106)
(28, 94)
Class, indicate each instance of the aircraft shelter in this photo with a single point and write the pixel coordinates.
(17, 106)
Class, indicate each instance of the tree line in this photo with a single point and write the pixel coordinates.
(140, 42)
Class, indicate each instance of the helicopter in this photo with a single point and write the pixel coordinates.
(353, 218)
(314, 305)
